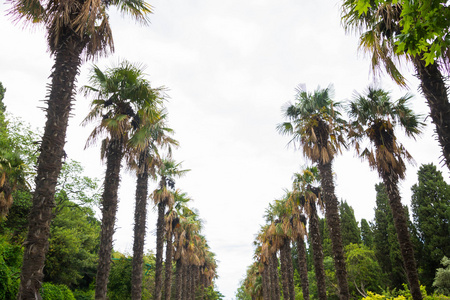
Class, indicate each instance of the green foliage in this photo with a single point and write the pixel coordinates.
(119, 285)
(366, 234)
(51, 291)
(10, 263)
(212, 294)
(349, 226)
(364, 272)
(442, 279)
(430, 204)
(72, 255)
(424, 27)
(386, 246)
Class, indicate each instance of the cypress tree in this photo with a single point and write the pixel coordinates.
(349, 225)
(430, 205)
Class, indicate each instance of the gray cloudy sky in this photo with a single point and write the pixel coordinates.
(229, 67)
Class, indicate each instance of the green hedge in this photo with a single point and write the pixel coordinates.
(56, 292)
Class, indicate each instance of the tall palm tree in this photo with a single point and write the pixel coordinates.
(163, 197)
(172, 221)
(123, 99)
(306, 195)
(76, 28)
(190, 225)
(314, 123)
(380, 28)
(146, 143)
(374, 116)
(281, 231)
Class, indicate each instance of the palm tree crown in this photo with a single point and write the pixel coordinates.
(375, 116)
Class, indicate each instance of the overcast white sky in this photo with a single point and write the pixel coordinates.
(229, 67)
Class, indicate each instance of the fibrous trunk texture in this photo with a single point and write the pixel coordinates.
(274, 277)
(168, 266)
(178, 279)
(303, 269)
(266, 282)
(316, 243)
(334, 226)
(401, 227)
(435, 92)
(65, 69)
(140, 216)
(159, 250)
(109, 209)
(284, 272)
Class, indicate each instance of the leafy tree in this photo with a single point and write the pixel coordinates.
(430, 206)
(416, 31)
(314, 123)
(366, 234)
(364, 273)
(349, 226)
(77, 28)
(10, 263)
(375, 116)
(442, 279)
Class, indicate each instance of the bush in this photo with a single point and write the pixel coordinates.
(56, 292)
(10, 263)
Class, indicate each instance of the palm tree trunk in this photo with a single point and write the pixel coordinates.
(401, 227)
(290, 270)
(284, 271)
(140, 215)
(266, 282)
(168, 266)
(334, 226)
(185, 291)
(109, 208)
(178, 279)
(316, 244)
(65, 69)
(435, 92)
(159, 250)
(274, 277)
(303, 269)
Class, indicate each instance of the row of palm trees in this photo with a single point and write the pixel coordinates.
(132, 122)
(315, 124)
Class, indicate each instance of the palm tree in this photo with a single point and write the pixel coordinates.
(76, 28)
(123, 100)
(146, 141)
(172, 221)
(314, 123)
(306, 195)
(375, 116)
(163, 197)
(190, 225)
(380, 28)
(281, 231)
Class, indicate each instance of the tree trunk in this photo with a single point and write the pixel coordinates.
(284, 272)
(185, 284)
(302, 266)
(266, 282)
(168, 266)
(140, 215)
(178, 279)
(65, 69)
(274, 277)
(435, 92)
(401, 227)
(316, 244)
(334, 226)
(290, 269)
(109, 208)
(159, 250)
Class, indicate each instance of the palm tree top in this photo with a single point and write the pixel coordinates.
(376, 106)
(87, 19)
